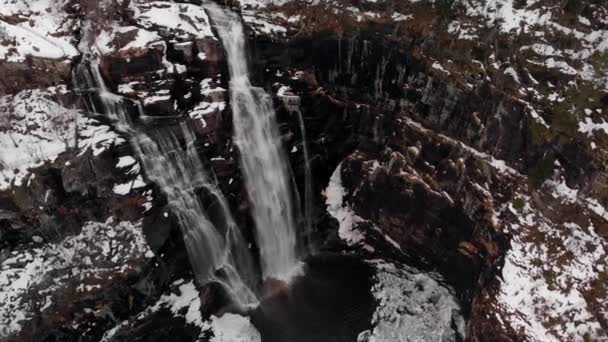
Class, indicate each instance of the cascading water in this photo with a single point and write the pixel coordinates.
(216, 250)
(262, 158)
(308, 193)
(180, 174)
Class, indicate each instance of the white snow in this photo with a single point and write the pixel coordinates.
(336, 207)
(284, 90)
(547, 270)
(31, 43)
(186, 303)
(463, 30)
(557, 185)
(143, 38)
(189, 297)
(41, 34)
(261, 3)
(188, 19)
(156, 98)
(233, 328)
(541, 23)
(205, 108)
(126, 188)
(438, 66)
(400, 17)
(589, 127)
(412, 306)
(511, 72)
(564, 67)
(96, 137)
(35, 129)
(500, 165)
(261, 24)
(348, 220)
(508, 18)
(213, 104)
(125, 161)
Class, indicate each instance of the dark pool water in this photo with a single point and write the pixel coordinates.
(332, 302)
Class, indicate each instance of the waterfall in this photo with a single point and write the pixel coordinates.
(292, 104)
(262, 158)
(180, 174)
(216, 250)
(308, 192)
(215, 247)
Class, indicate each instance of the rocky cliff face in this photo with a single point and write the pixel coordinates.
(465, 139)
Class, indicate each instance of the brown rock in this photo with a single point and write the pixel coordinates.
(33, 73)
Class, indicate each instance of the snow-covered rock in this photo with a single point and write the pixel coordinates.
(33, 277)
(36, 128)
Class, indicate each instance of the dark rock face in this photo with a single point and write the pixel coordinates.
(430, 161)
(422, 214)
(162, 326)
(33, 73)
(426, 220)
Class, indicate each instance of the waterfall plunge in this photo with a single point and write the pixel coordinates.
(263, 160)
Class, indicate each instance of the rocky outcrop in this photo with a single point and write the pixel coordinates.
(33, 73)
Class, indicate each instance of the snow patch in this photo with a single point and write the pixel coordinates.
(336, 207)
(185, 19)
(412, 306)
(45, 34)
(233, 328)
(35, 129)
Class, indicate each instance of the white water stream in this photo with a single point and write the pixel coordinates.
(263, 160)
(216, 250)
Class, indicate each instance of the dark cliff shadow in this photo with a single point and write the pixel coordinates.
(331, 302)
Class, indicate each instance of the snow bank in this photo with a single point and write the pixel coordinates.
(412, 306)
(233, 328)
(188, 297)
(336, 207)
(548, 271)
(184, 19)
(142, 39)
(186, 303)
(45, 32)
(35, 129)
